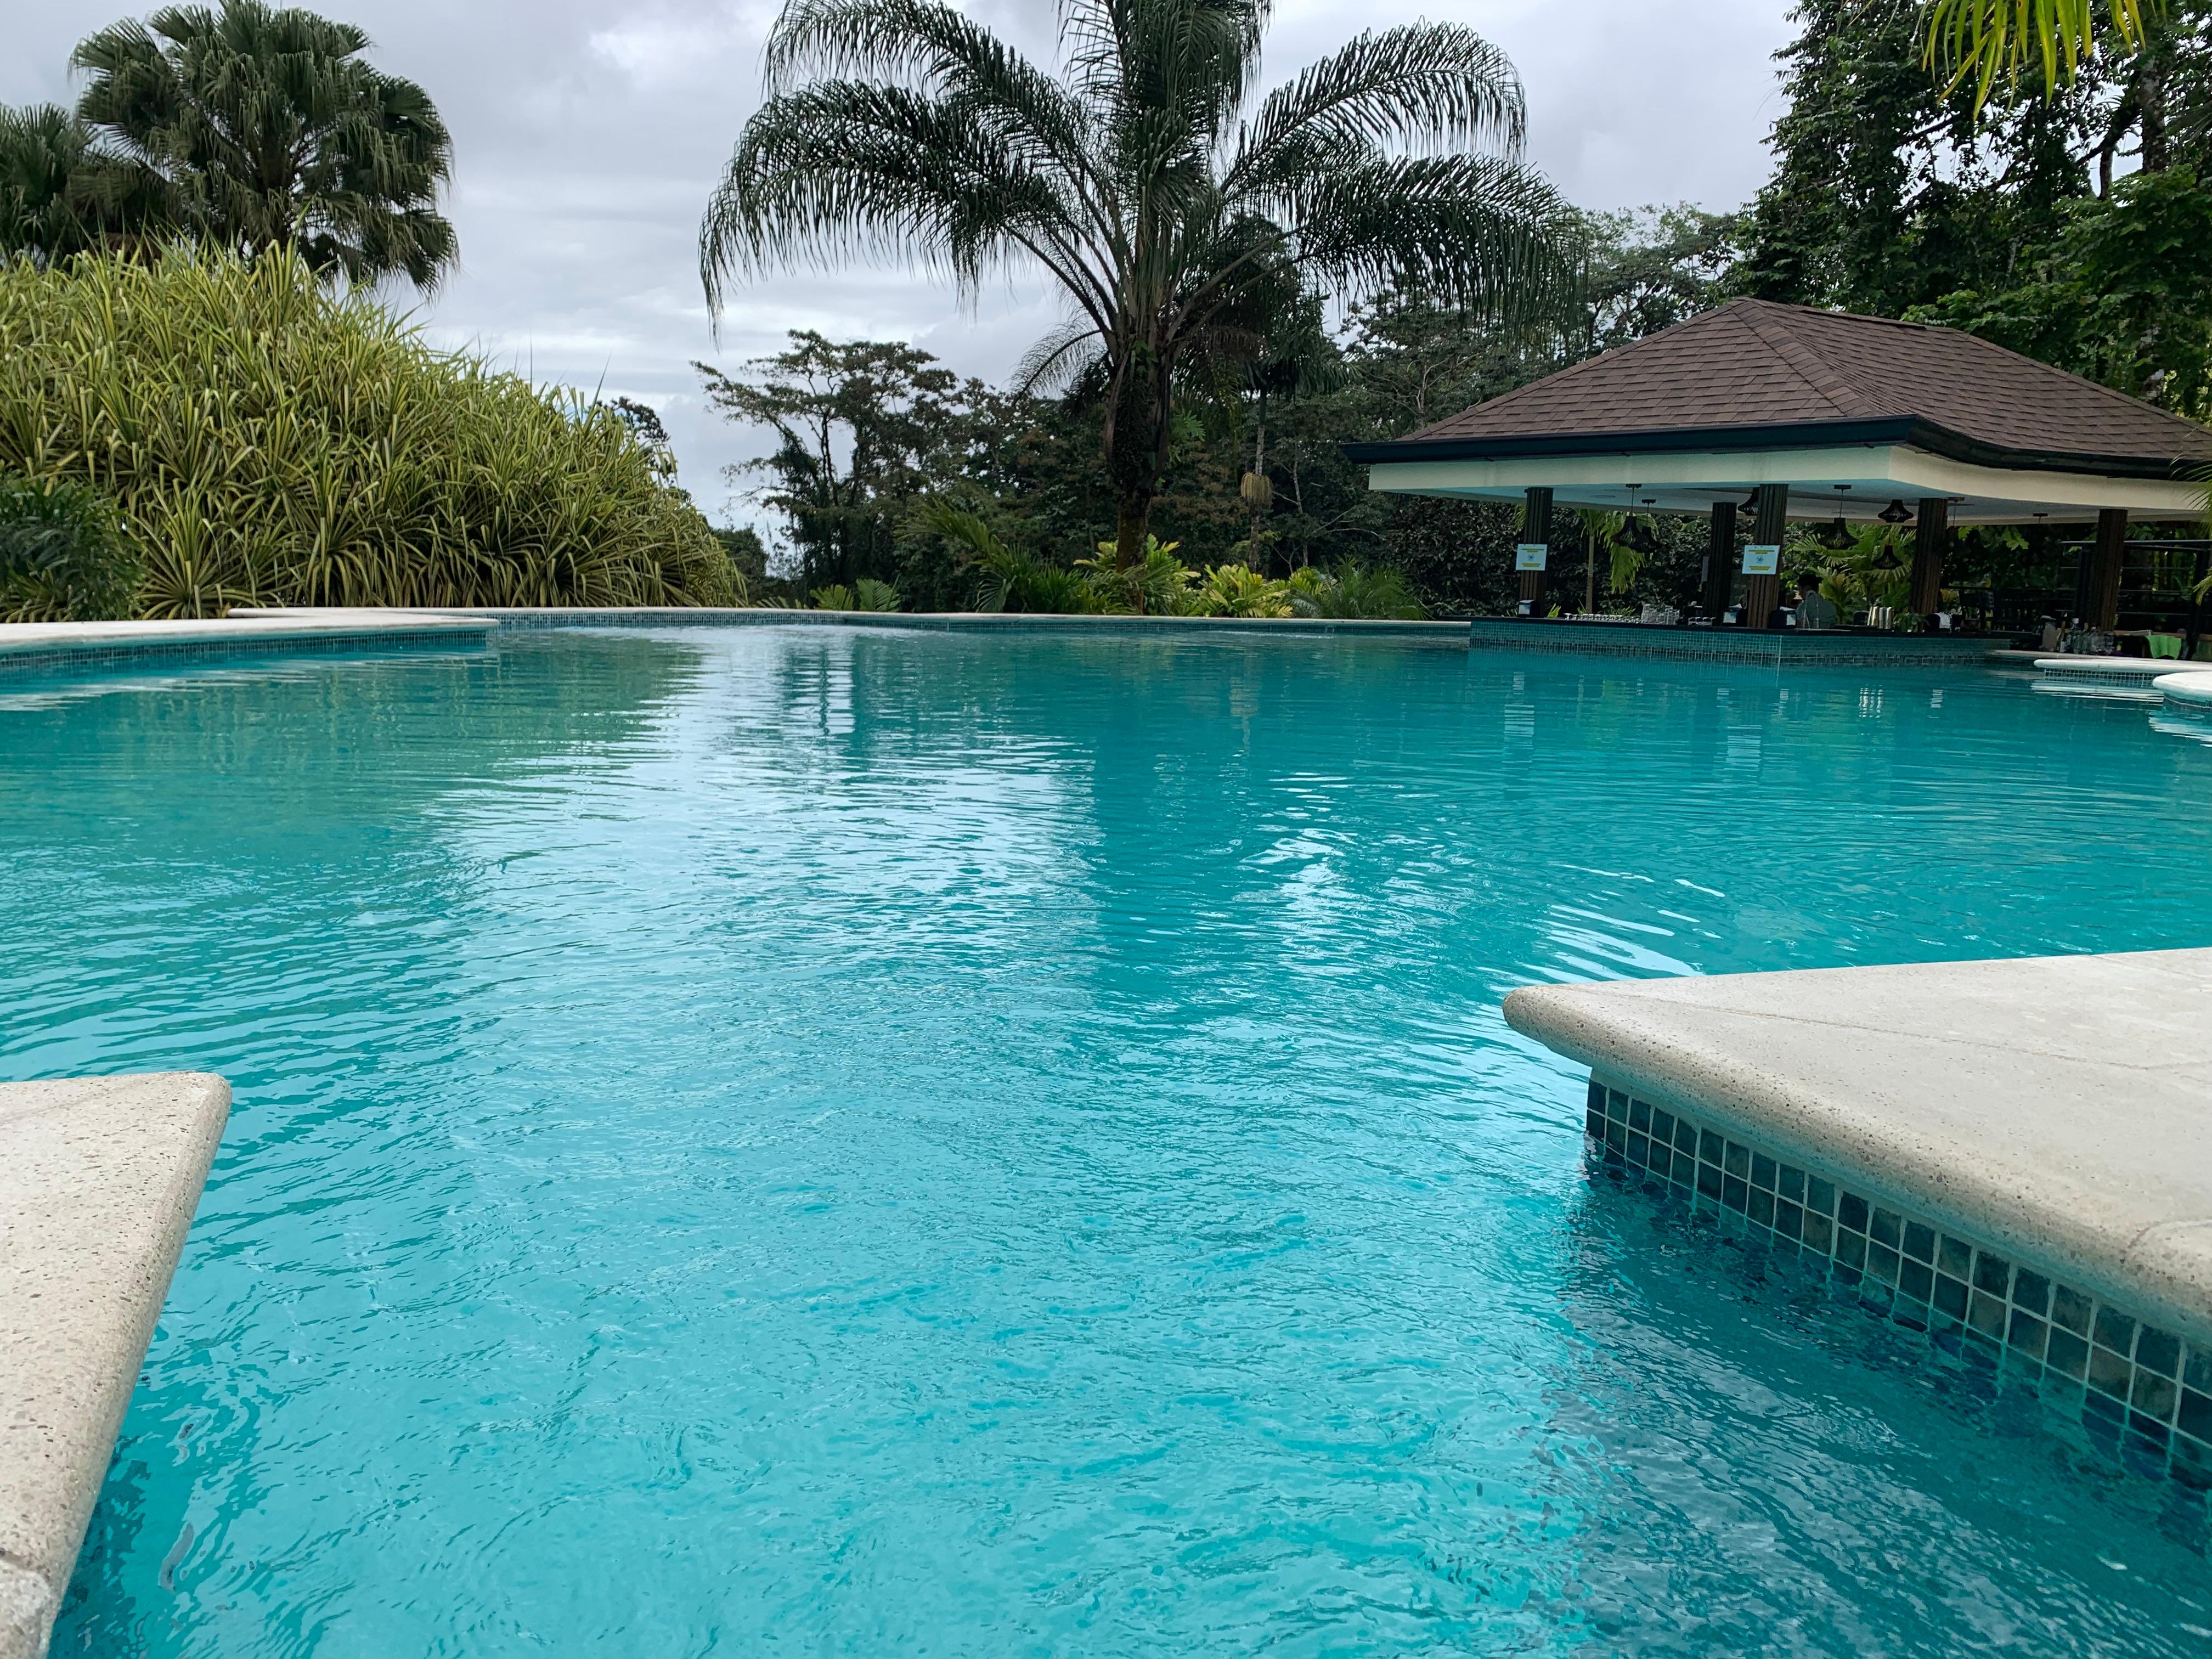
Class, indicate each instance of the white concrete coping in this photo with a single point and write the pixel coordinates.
(2132, 678)
(2057, 1106)
(99, 1178)
(2144, 669)
(2192, 688)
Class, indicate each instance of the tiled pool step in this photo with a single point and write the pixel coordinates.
(2134, 1387)
(2115, 676)
(2015, 1157)
(2191, 690)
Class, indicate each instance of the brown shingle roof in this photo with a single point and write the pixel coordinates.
(1753, 364)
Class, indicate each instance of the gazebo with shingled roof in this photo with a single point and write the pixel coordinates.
(1795, 413)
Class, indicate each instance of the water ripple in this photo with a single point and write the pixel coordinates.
(779, 1140)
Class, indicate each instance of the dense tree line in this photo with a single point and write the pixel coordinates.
(1252, 281)
(2064, 219)
(1255, 473)
(2061, 215)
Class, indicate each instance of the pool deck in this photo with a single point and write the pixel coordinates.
(26, 648)
(2060, 1105)
(98, 1179)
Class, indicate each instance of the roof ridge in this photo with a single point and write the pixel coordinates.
(1845, 316)
(1761, 363)
(1812, 364)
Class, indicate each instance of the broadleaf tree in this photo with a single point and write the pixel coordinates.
(861, 428)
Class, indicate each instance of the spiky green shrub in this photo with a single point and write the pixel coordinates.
(865, 594)
(269, 442)
(1017, 582)
(1007, 579)
(1160, 586)
(869, 594)
(1354, 591)
(64, 556)
(1236, 590)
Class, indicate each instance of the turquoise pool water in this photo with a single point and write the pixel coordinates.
(808, 1141)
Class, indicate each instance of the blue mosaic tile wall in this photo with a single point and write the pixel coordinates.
(78, 658)
(2139, 1391)
(1779, 649)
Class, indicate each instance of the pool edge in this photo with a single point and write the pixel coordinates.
(2052, 1114)
(2012, 1096)
(100, 1178)
(67, 647)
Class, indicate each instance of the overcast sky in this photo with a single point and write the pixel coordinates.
(588, 133)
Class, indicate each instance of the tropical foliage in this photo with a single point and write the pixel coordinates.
(1354, 591)
(2027, 224)
(1987, 42)
(64, 556)
(245, 128)
(1142, 176)
(866, 594)
(859, 430)
(61, 194)
(869, 437)
(266, 442)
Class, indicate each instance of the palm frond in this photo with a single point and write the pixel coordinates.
(1420, 86)
(1474, 231)
(1989, 40)
(1059, 359)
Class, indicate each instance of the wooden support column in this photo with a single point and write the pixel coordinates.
(1720, 560)
(1931, 535)
(1536, 527)
(1770, 521)
(2106, 557)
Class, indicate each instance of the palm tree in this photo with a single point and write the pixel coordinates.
(60, 194)
(1144, 177)
(271, 131)
(1984, 40)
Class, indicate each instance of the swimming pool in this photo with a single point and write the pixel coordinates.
(760, 1141)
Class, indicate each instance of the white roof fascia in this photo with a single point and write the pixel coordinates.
(1883, 470)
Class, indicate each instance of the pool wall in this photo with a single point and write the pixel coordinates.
(2018, 1153)
(2133, 1388)
(98, 1179)
(1780, 648)
(51, 648)
(950, 622)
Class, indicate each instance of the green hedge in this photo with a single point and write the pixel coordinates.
(63, 554)
(268, 442)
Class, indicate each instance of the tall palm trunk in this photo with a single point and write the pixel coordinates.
(1138, 440)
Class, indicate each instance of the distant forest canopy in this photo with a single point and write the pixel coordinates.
(2067, 224)
(867, 429)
